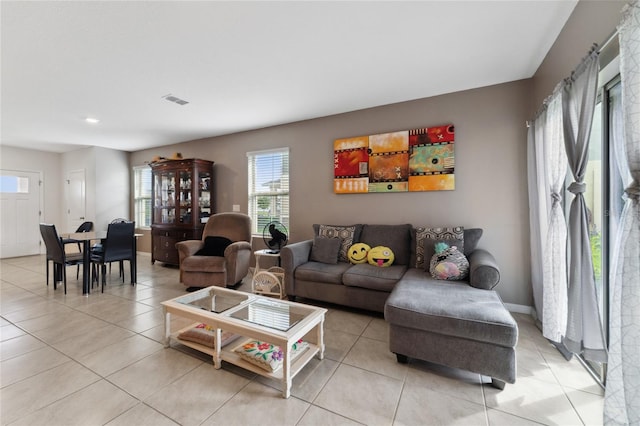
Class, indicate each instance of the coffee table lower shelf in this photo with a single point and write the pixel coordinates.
(231, 357)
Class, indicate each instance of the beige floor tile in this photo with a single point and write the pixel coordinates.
(361, 395)
(29, 364)
(144, 322)
(142, 415)
(120, 334)
(316, 416)
(10, 331)
(37, 310)
(96, 404)
(378, 329)
(531, 363)
(345, 321)
(194, 397)
(35, 392)
(447, 381)
(80, 325)
(533, 399)
(590, 407)
(571, 373)
(90, 342)
(374, 355)
(308, 383)
(337, 344)
(422, 406)
(114, 357)
(267, 407)
(154, 372)
(500, 418)
(18, 346)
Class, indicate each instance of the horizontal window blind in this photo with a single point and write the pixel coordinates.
(142, 195)
(268, 188)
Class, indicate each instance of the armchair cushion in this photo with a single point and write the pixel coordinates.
(214, 246)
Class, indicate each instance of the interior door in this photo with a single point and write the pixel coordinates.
(19, 213)
(76, 199)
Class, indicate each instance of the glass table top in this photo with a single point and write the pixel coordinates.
(214, 300)
(271, 313)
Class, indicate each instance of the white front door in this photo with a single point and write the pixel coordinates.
(75, 199)
(19, 213)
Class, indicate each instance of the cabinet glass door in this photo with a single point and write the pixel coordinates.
(164, 208)
(204, 195)
(186, 197)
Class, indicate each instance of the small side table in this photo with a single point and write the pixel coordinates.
(268, 281)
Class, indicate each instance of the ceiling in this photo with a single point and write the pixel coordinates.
(246, 65)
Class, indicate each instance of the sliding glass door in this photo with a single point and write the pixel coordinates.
(604, 196)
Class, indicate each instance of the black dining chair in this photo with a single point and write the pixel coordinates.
(57, 255)
(117, 247)
(84, 227)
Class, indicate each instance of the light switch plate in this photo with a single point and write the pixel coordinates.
(236, 207)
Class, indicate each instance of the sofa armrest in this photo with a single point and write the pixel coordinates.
(484, 272)
(292, 256)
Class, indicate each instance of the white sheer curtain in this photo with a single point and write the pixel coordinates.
(547, 171)
(622, 395)
(584, 330)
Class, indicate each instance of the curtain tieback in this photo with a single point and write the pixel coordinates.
(556, 197)
(633, 191)
(577, 187)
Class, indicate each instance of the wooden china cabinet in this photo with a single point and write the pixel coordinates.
(182, 199)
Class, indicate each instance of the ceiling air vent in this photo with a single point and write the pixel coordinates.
(175, 99)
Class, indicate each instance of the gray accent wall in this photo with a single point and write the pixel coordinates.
(490, 172)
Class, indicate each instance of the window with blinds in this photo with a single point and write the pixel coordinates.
(142, 196)
(268, 188)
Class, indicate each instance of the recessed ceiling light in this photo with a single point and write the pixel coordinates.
(91, 120)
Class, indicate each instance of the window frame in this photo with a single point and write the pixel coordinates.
(139, 198)
(280, 194)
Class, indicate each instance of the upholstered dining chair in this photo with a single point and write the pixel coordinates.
(57, 255)
(117, 247)
(222, 256)
(84, 227)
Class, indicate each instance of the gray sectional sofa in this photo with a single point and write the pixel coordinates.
(461, 324)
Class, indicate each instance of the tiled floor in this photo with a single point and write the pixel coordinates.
(99, 360)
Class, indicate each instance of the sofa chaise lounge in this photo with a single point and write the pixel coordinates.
(461, 324)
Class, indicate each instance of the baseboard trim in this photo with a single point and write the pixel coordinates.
(519, 309)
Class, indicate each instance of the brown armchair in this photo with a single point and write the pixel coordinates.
(228, 266)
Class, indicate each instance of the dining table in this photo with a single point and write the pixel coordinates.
(86, 238)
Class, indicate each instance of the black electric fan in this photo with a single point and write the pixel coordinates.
(275, 236)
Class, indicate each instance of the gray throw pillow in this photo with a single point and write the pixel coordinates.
(325, 250)
(345, 234)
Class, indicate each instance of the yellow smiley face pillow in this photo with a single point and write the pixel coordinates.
(358, 253)
(381, 256)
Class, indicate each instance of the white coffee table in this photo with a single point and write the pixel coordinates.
(278, 322)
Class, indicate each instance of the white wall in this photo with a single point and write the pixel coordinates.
(112, 184)
(49, 164)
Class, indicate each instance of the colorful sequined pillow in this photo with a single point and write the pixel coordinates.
(266, 355)
(206, 335)
(425, 238)
(448, 263)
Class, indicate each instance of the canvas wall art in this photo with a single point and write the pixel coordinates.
(411, 160)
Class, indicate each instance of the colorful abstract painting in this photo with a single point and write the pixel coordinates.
(351, 165)
(412, 160)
